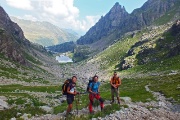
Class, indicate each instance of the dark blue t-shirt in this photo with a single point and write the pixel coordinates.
(94, 86)
(72, 89)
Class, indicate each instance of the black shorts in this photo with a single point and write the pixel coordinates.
(70, 99)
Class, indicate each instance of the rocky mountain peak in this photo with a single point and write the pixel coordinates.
(105, 25)
(117, 8)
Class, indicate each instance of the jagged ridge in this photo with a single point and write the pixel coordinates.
(118, 21)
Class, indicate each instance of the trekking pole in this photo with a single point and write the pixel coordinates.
(77, 102)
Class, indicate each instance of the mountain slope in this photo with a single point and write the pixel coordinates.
(12, 39)
(22, 62)
(44, 33)
(15, 46)
(118, 22)
(144, 50)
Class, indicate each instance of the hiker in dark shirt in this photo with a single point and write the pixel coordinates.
(71, 92)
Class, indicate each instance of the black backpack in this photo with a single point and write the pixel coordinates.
(90, 81)
(65, 85)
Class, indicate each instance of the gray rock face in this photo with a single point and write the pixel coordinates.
(14, 45)
(12, 40)
(117, 21)
(3, 105)
(105, 25)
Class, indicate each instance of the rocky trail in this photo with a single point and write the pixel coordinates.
(161, 109)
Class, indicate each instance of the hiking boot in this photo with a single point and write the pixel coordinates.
(92, 112)
(70, 113)
(67, 114)
(112, 102)
(102, 109)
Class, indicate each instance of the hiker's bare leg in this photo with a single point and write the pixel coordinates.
(112, 96)
(69, 109)
(118, 98)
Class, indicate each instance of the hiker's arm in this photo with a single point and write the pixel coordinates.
(68, 91)
(111, 83)
(119, 82)
(98, 90)
(90, 90)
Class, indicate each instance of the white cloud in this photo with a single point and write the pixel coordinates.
(20, 4)
(63, 8)
(62, 13)
(92, 20)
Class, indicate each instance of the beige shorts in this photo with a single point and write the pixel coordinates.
(115, 91)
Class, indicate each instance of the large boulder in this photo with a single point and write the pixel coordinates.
(3, 105)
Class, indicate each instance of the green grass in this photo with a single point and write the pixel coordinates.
(10, 70)
(32, 59)
(15, 94)
(84, 101)
(11, 88)
(10, 113)
(18, 101)
(2, 56)
(164, 65)
(168, 85)
(133, 88)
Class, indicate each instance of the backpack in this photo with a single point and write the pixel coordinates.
(90, 81)
(65, 85)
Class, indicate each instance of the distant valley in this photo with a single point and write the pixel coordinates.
(45, 33)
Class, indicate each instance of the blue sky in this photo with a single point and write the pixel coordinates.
(100, 7)
(78, 15)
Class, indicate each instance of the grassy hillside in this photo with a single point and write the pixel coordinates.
(132, 49)
(112, 55)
